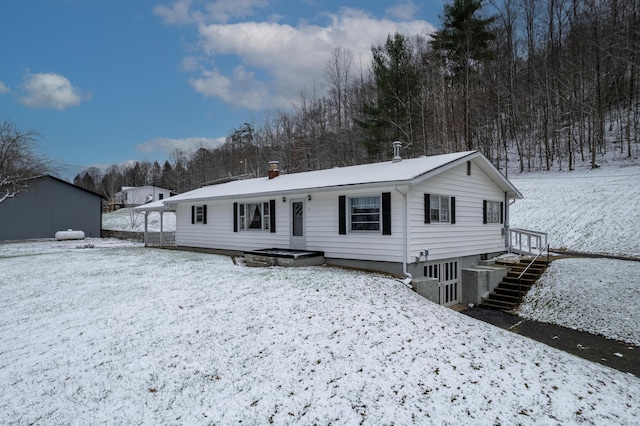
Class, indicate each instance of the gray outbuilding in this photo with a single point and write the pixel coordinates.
(49, 205)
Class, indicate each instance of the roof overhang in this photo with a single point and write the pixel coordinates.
(156, 206)
(170, 204)
(485, 165)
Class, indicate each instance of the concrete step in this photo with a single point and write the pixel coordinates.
(494, 304)
(524, 281)
(514, 292)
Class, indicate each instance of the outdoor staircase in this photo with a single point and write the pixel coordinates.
(511, 290)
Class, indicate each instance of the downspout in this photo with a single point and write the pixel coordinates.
(408, 276)
(507, 226)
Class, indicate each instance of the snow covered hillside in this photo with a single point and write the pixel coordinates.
(124, 334)
(593, 211)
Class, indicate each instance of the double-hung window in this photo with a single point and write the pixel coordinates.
(254, 216)
(492, 211)
(199, 214)
(439, 209)
(365, 213)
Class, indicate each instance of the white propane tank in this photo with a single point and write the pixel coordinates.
(69, 234)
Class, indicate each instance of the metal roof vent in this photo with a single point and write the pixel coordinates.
(396, 152)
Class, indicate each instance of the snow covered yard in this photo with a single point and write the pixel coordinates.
(600, 296)
(594, 211)
(133, 335)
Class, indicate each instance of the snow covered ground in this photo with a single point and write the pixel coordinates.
(109, 332)
(600, 296)
(594, 211)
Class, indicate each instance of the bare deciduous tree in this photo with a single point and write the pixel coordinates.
(19, 161)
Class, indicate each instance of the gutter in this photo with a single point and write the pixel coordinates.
(287, 192)
(408, 276)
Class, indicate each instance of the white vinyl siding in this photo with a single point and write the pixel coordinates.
(468, 236)
(218, 234)
(321, 227)
(323, 234)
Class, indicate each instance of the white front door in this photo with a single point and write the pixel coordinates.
(448, 273)
(298, 225)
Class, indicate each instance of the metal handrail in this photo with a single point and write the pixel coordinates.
(527, 268)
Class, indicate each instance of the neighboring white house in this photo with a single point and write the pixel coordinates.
(428, 216)
(131, 196)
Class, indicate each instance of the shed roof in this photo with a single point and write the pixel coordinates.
(57, 179)
(407, 171)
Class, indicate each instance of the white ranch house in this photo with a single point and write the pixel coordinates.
(424, 217)
(130, 196)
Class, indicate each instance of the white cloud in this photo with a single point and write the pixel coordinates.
(277, 61)
(241, 89)
(190, 64)
(405, 11)
(221, 11)
(4, 88)
(178, 13)
(50, 90)
(168, 145)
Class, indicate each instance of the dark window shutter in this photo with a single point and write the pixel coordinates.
(484, 211)
(386, 213)
(204, 214)
(453, 210)
(272, 216)
(235, 217)
(427, 208)
(342, 215)
(193, 214)
(501, 212)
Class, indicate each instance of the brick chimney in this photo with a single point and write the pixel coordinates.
(274, 171)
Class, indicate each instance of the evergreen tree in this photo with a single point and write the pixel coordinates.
(168, 177)
(465, 42)
(396, 75)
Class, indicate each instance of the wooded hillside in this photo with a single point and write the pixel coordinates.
(533, 84)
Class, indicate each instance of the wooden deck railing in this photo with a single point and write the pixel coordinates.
(523, 241)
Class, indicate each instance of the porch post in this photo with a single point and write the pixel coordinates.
(146, 225)
(161, 237)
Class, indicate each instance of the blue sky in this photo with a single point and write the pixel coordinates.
(104, 82)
